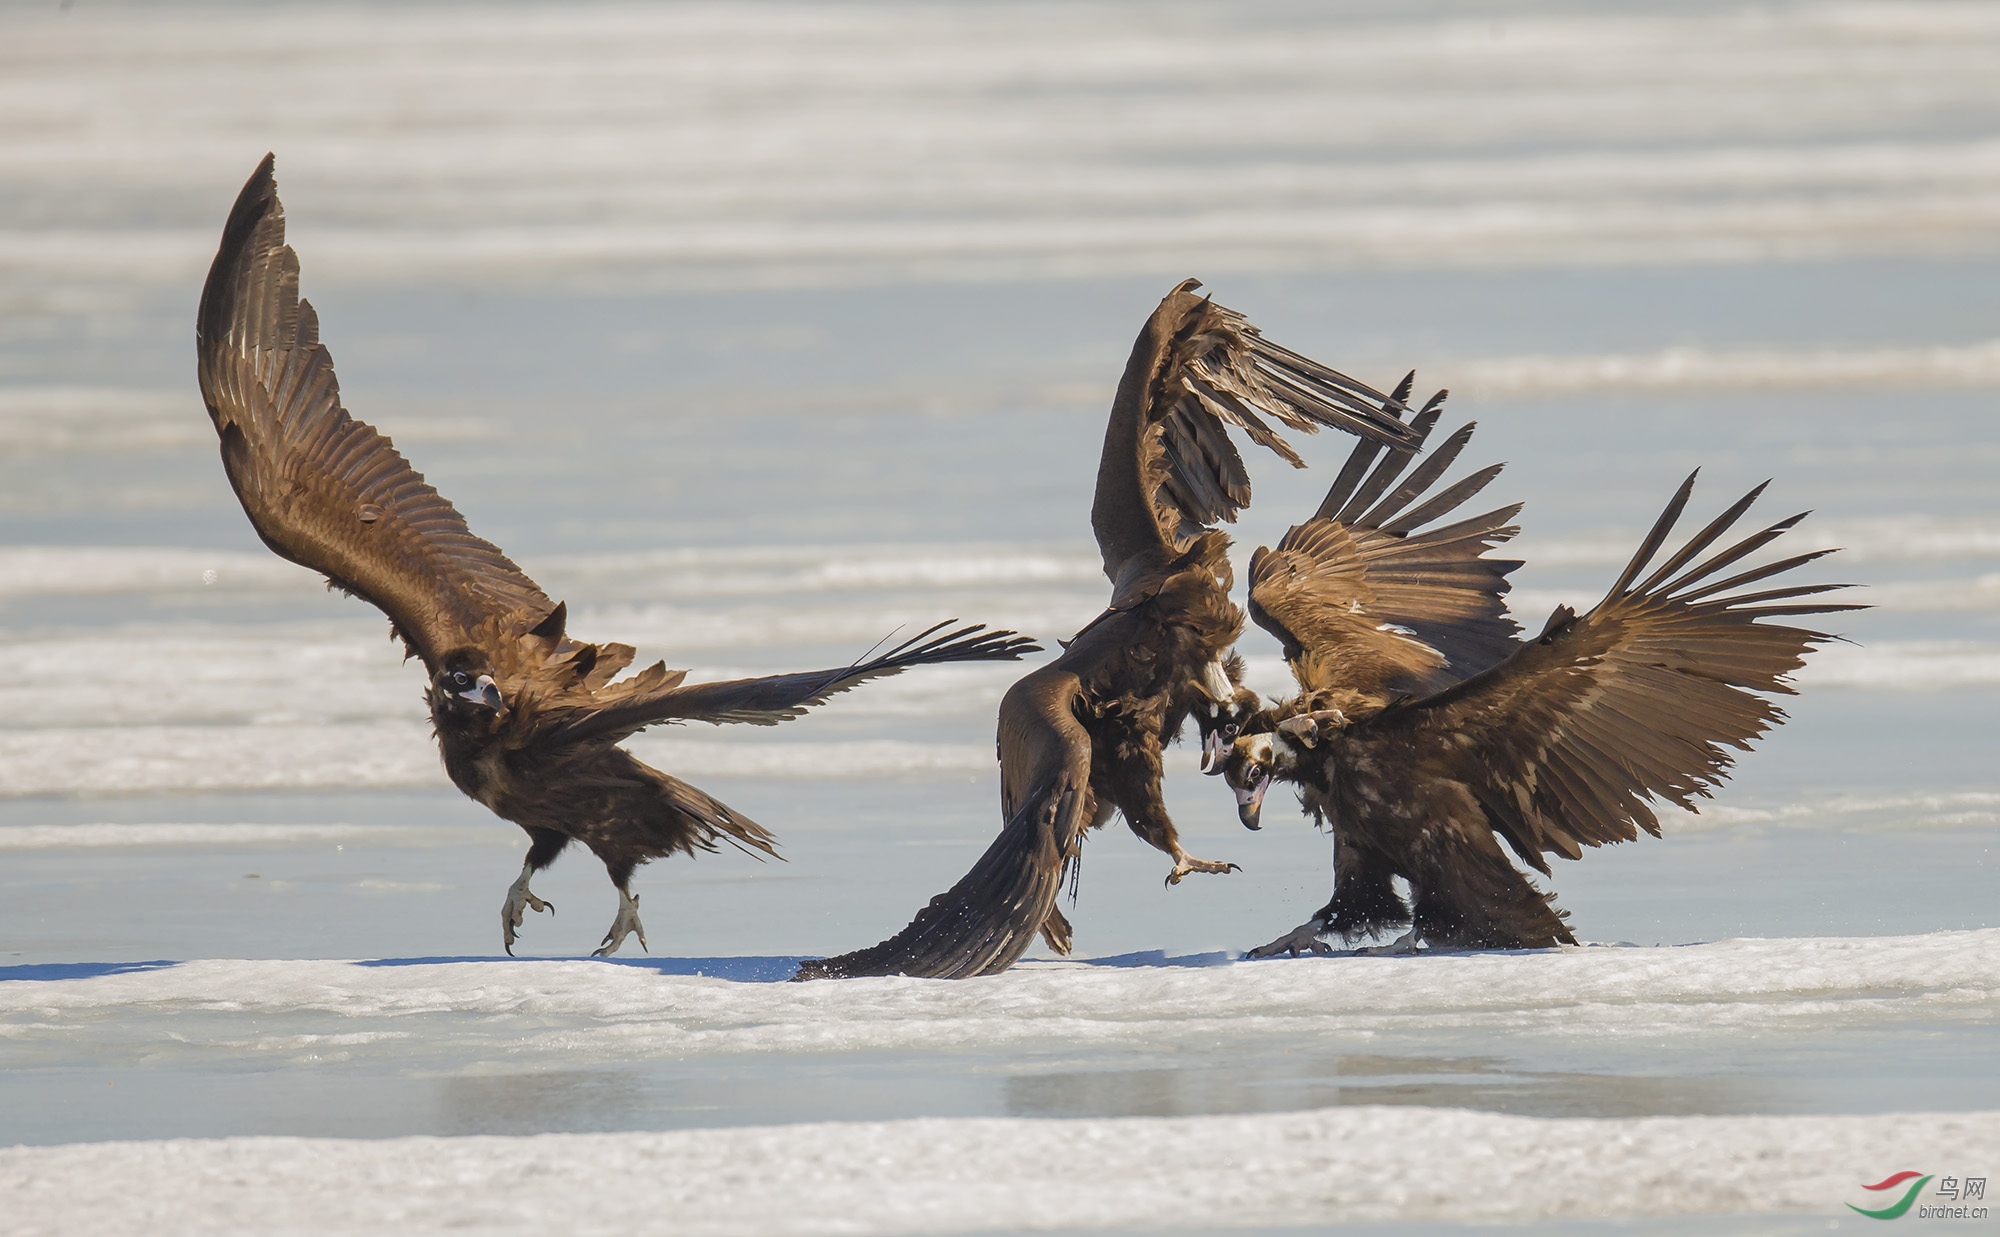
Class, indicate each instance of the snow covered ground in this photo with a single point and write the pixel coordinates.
(754, 332)
(1331, 1166)
(1344, 1089)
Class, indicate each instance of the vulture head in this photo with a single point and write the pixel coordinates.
(1222, 706)
(463, 689)
(1253, 762)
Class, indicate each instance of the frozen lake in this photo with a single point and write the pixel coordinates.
(754, 332)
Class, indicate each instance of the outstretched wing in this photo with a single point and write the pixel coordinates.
(1368, 600)
(984, 923)
(321, 488)
(1643, 698)
(1168, 469)
(657, 695)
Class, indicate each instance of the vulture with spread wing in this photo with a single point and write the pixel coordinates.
(528, 718)
(1425, 734)
(1081, 737)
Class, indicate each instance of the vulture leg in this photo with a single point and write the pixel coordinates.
(626, 924)
(546, 844)
(1365, 900)
(1136, 791)
(1467, 895)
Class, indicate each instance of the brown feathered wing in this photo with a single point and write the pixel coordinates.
(321, 488)
(657, 694)
(1643, 698)
(1367, 600)
(1168, 470)
(984, 923)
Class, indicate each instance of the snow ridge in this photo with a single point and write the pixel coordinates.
(964, 1175)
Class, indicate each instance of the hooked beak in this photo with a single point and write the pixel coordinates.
(483, 692)
(1250, 801)
(1213, 749)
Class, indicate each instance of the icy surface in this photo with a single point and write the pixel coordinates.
(1348, 1165)
(1582, 993)
(460, 1046)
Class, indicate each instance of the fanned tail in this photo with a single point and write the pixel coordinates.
(984, 923)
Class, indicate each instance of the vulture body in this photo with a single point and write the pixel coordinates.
(1425, 734)
(1081, 737)
(528, 718)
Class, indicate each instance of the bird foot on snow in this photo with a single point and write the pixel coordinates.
(1402, 946)
(627, 924)
(1303, 939)
(520, 900)
(1184, 864)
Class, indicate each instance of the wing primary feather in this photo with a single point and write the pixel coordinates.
(1702, 540)
(1433, 467)
(1351, 473)
(1386, 472)
(1749, 545)
(1736, 603)
(1449, 500)
(1306, 366)
(1661, 528)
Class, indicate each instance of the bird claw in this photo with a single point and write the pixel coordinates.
(1310, 728)
(1187, 864)
(520, 900)
(626, 924)
(1305, 937)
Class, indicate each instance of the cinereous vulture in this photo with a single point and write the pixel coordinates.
(1081, 737)
(1424, 734)
(528, 718)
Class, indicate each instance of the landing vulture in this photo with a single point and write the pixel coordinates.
(1425, 735)
(528, 718)
(1080, 737)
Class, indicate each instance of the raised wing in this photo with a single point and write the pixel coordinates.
(984, 923)
(657, 695)
(321, 488)
(1369, 601)
(1566, 741)
(1168, 469)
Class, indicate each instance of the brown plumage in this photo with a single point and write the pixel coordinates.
(1421, 757)
(1082, 737)
(528, 719)
(1368, 603)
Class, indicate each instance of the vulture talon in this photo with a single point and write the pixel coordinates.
(1305, 937)
(520, 900)
(626, 924)
(1187, 864)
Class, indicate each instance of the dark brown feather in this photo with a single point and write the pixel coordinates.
(1168, 470)
(321, 488)
(1568, 743)
(984, 923)
(1371, 609)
